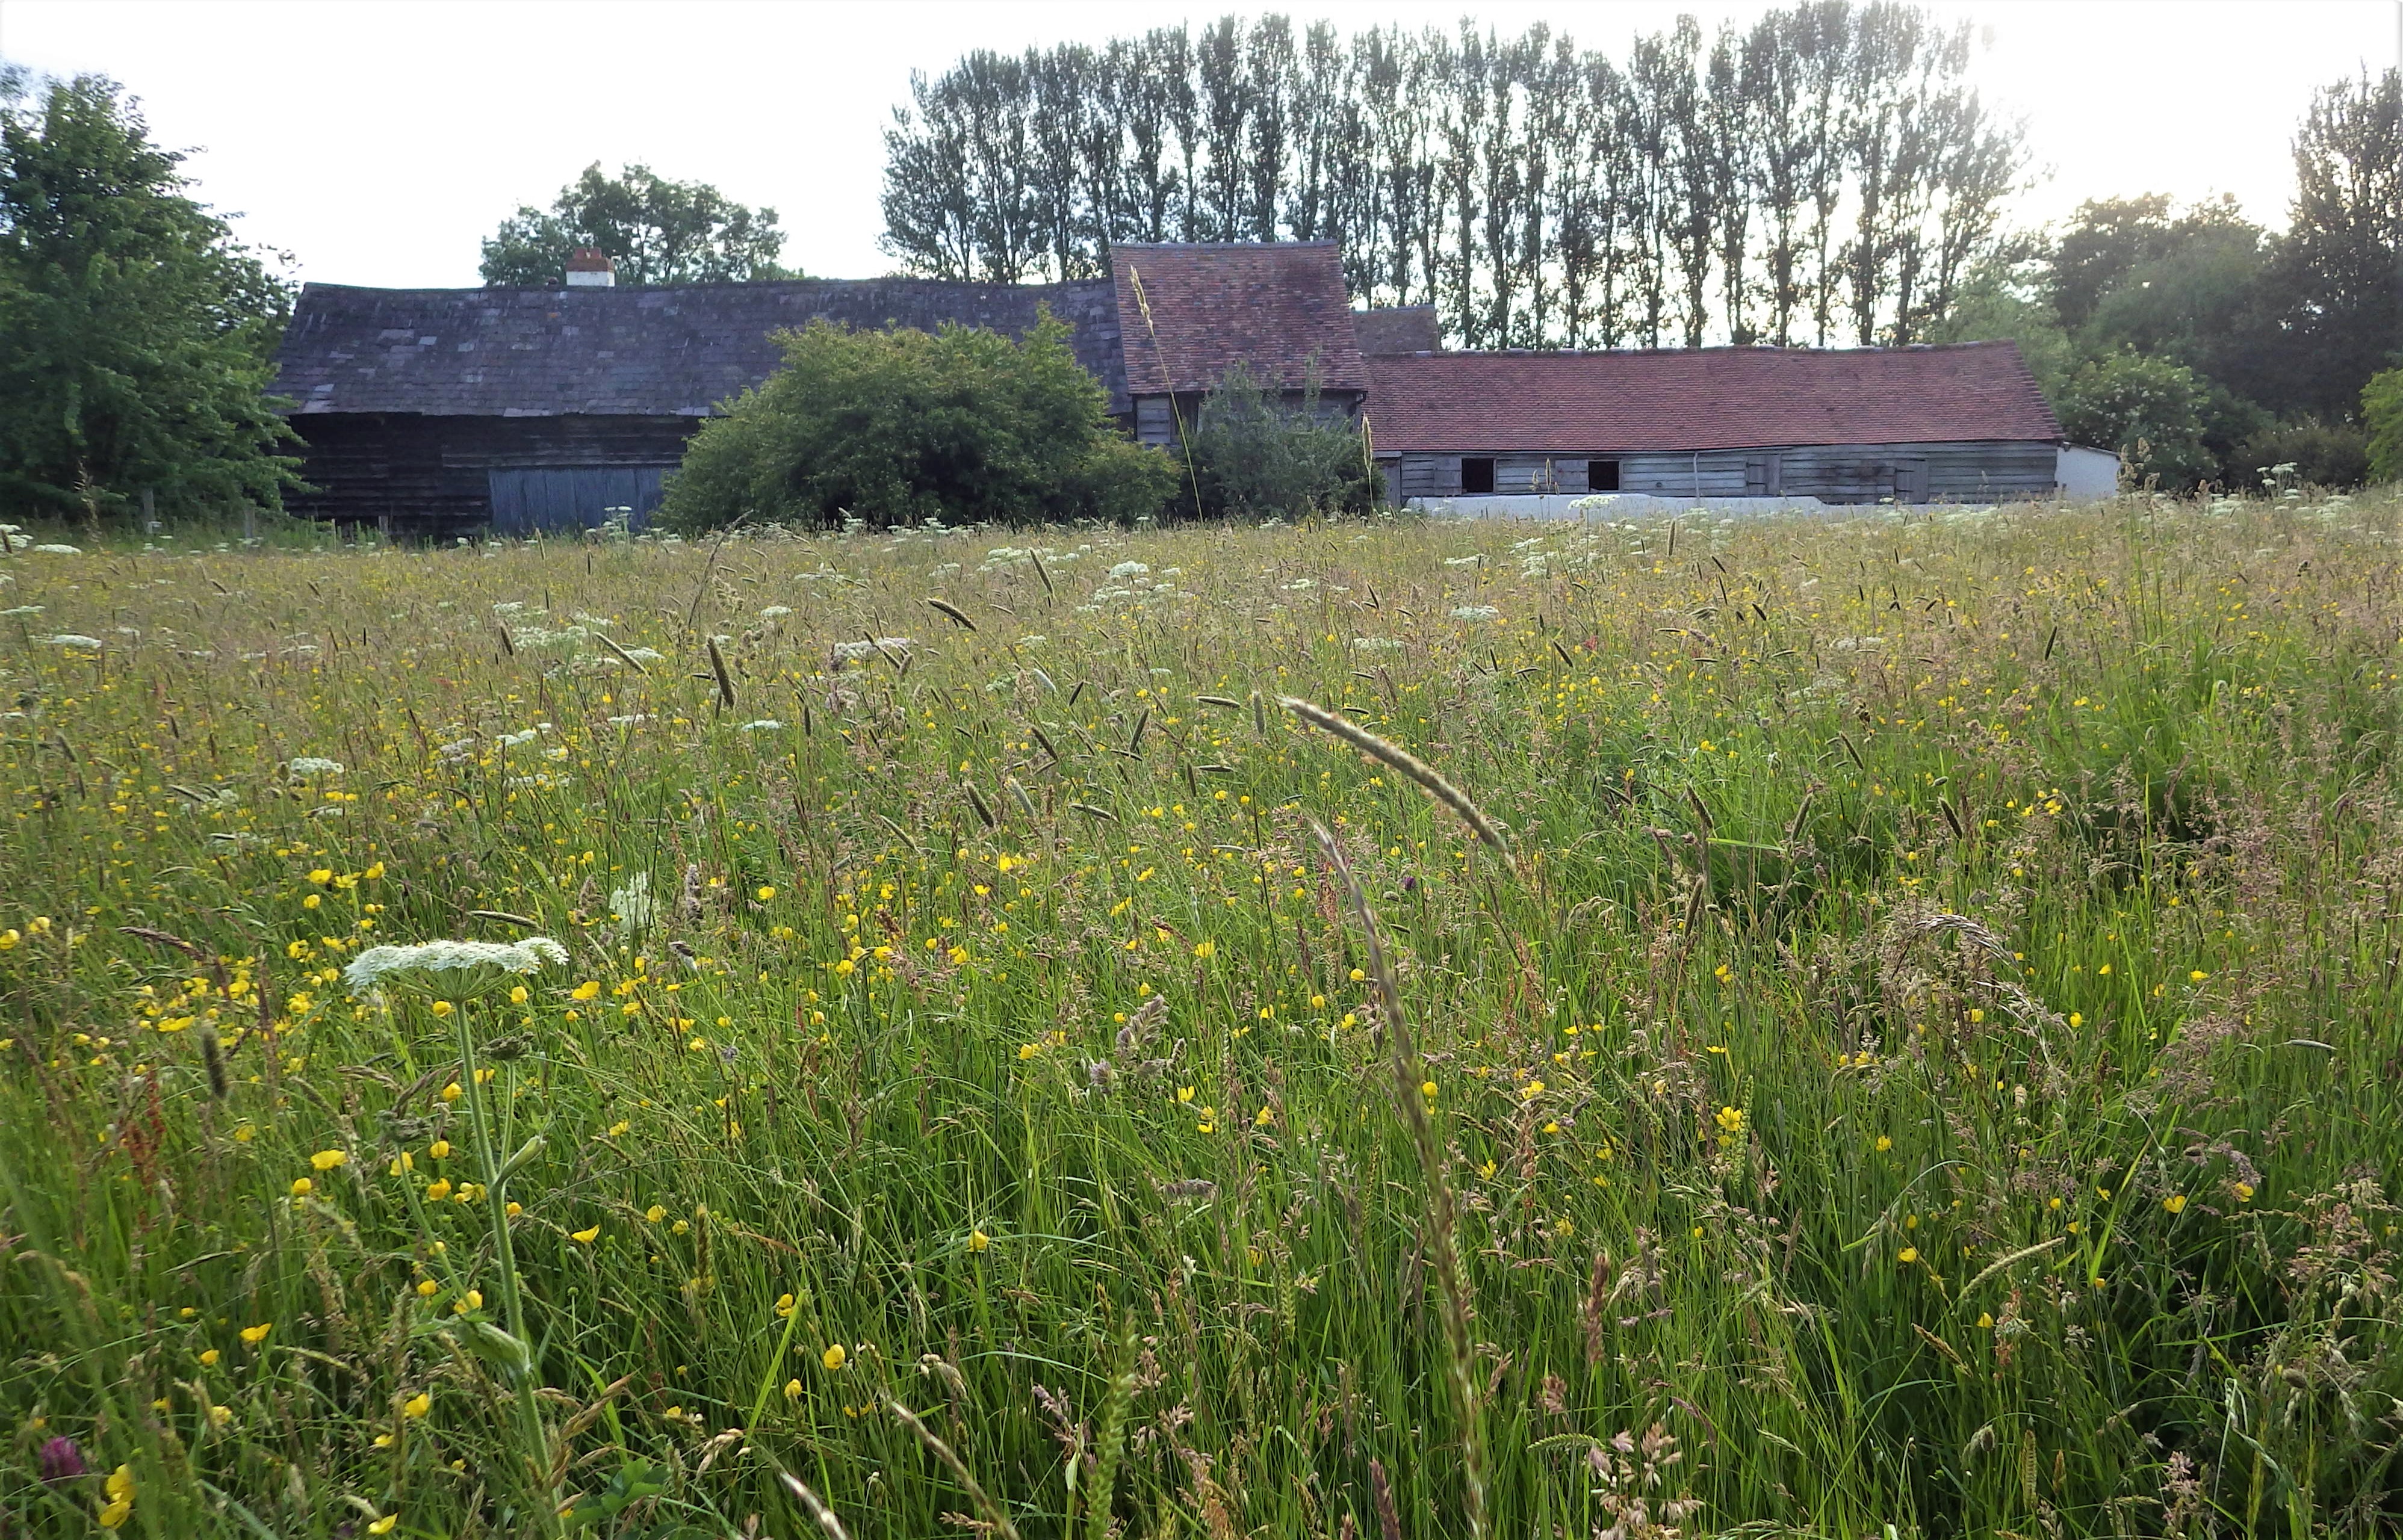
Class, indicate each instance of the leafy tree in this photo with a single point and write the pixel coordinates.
(2381, 407)
(2200, 300)
(1254, 452)
(660, 232)
(964, 425)
(2341, 267)
(1534, 190)
(2107, 237)
(140, 334)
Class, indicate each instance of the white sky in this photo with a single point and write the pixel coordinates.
(378, 142)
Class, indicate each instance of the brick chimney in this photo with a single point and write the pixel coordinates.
(590, 268)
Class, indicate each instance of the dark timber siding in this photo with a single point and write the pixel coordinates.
(1154, 426)
(1833, 473)
(429, 476)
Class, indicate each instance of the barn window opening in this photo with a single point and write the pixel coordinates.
(1602, 476)
(1476, 477)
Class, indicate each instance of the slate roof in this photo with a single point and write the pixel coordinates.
(639, 351)
(1397, 328)
(1704, 399)
(1281, 309)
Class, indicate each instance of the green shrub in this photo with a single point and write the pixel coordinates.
(888, 428)
(2172, 425)
(2320, 454)
(1256, 452)
(2381, 407)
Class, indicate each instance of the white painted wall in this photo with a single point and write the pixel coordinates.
(2088, 476)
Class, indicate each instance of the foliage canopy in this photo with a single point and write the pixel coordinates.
(1827, 174)
(960, 425)
(2140, 309)
(140, 334)
(659, 232)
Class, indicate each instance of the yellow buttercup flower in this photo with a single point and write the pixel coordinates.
(978, 1239)
(328, 1160)
(120, 1507)
(833, 1357)
(585, 1237)
(418, 1405)
(301, 1187)
(258, 1334)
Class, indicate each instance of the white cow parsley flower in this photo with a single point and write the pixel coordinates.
(460, 968)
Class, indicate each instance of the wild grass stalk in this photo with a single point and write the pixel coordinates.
(1439, 1240)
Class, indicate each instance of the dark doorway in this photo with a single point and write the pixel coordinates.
(1476, 477)
(1602, 476)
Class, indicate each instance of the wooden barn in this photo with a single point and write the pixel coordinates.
(1959, 424)
(438, 411)
(442, 411)
(430, 413)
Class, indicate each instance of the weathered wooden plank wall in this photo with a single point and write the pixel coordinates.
(1969, 472)
(428, 476)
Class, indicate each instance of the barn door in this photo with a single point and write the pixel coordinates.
(1910, 480)
(527, 499)
(1764, 475)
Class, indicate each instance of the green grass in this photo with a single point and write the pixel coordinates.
(1927, 1058)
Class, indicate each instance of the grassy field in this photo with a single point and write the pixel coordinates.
(1918, 1057)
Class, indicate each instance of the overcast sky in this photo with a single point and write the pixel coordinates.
(378, 142)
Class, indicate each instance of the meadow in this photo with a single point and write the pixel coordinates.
(1874, 1025)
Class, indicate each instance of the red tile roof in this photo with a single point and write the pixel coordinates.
(1281, 309)
(1702, 398)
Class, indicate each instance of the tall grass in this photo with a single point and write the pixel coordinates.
(1920, 1050)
